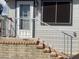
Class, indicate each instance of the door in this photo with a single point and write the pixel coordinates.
(24, 19)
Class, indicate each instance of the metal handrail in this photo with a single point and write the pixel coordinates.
(71, 37)
(67, 34)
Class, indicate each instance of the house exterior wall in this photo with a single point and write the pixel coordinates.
(53, 34)
(11, 4)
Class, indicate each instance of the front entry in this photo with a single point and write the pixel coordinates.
(24, 19)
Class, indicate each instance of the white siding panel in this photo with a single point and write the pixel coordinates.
(54, 37)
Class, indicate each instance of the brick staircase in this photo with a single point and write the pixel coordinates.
(13, 48)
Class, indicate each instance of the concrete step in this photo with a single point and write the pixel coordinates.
(21, 52)
(14, 48)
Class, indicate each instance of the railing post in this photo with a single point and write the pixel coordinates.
(33, 27)
(64, 43)
(71, 48)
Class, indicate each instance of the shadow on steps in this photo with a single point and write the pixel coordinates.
(75, 56)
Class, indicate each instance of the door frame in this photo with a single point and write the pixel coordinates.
(17, 16)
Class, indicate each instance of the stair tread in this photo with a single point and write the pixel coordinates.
(22, 48)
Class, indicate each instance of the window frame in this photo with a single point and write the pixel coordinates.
(55, 23)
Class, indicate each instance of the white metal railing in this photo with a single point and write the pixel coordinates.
(7, 27)
(69, 40)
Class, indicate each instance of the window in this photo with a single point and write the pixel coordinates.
(56, 13)
(24, 12)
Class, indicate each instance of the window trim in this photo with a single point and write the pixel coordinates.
(55, 23)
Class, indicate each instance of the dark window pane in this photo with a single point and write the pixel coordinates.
(63, 12)
(49, 11)
(24, 24)
(24, 13)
